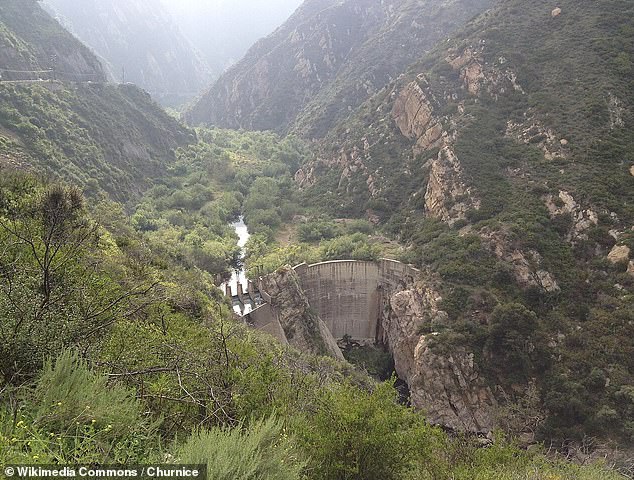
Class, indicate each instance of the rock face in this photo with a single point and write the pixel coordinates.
(532, 131)
(446, 387)
(448, 197)
(582, 219)
(451, 391)
(327, 59)
(619, 254)
(526, 267)
(413, 114)
(302, 326)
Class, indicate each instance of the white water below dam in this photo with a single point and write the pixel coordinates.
(239, 277)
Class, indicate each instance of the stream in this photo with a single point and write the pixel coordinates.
(239, 275)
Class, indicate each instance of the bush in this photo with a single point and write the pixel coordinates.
(317, 230)
(262, 452)
(73, 416)
(357, 435)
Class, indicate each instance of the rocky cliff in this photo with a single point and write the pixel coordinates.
(325, 61)
(446, 385)
(301, 324)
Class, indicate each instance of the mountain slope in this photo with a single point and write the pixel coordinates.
(504, 159)
(106, 138)
(27, 53)
(140, 44)
(325, 60)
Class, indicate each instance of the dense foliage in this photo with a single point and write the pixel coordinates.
(105, 138)
(163, 358)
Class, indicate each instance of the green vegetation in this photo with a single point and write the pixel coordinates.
(571, 70)
(32, 40)
(263, 451)
(89, 135)
(166, 371)
(116, 345)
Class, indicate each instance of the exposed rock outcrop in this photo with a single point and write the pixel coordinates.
(448, 197)
(615, 107)
(477, 76)
(619, 254)
(446, 386)
(302, 326)
(451, 390)
(526, 267)
(582, 219)
(413, 114)
(533, 132)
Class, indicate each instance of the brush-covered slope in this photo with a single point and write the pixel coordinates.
(106, 138)
(32, 43)
(103, 137)
(140, 43)
(325, 60)
(505, 160)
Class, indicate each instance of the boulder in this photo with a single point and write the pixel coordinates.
(619, 254)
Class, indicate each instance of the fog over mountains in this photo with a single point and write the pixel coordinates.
(223, 30)
(172, 49)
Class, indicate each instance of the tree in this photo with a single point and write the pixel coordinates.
(354, 434)
(52, 292)
(512, 338)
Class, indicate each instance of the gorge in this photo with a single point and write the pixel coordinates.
(385, 302)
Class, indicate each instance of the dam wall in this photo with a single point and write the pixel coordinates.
(348, 295)
(345, 295)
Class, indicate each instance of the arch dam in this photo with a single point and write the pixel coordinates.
(350, 296)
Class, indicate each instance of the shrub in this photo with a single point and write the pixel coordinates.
(73, 416)
(354, 434)
(262, 452)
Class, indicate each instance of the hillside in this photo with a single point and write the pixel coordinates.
(140, 43)
(27, 53)
(326, 60)
(504, 160)
(105, 138)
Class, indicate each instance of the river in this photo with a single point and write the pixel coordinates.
(239, 275)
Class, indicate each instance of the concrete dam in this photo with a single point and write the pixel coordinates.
(350, 297)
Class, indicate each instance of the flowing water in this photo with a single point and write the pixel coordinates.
(239, 275)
